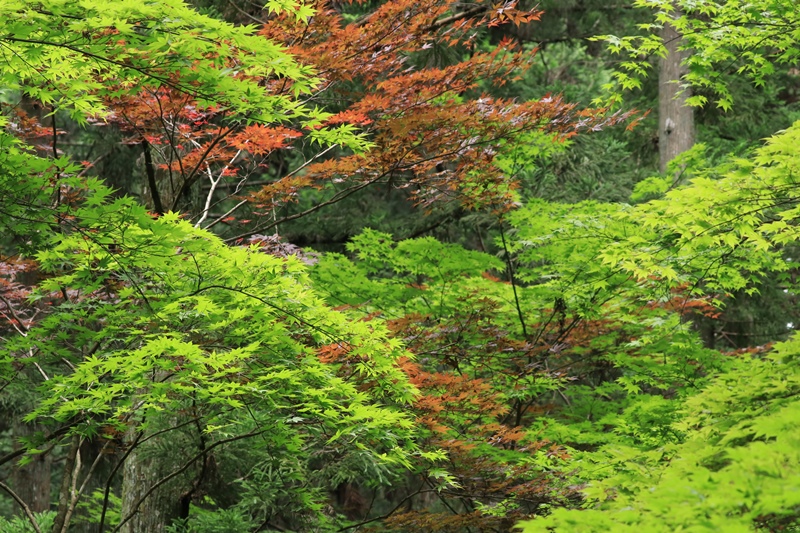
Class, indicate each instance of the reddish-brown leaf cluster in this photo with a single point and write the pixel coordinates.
(16, 315)
(681, 301)
(466, 368)
(430, 135)
(433, 128)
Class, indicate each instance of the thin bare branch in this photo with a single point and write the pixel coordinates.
(24, 506)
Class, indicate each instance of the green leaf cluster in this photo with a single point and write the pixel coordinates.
(751, 39)
(732, 464)
(157, 317)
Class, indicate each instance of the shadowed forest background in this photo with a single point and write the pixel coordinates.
(366, 266)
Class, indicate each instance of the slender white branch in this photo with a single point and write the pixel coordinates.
(41, 371)
(289, 175)
(211, 191)
(223, 217)
(73, 490)
(92, 469)
(214, 183)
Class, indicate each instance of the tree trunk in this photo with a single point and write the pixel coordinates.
(166, 190)
(32, 481)
(675, 118)
(143, 468)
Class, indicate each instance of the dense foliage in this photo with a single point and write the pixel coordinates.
(509, 319)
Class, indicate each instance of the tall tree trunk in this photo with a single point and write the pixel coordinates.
(675, 118)
(143, 468)
(32, 481)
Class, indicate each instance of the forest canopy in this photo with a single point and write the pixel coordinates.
(399, 266)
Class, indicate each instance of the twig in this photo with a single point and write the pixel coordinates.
(456, 17)
(22, 504)
(390, 513)
(76, 495)
(289, 175)
(513, 283)
(227, 214)
(214, 183)
(24, 330)
(41, 371)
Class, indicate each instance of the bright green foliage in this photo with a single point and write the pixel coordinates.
(52, 46)
(750, 38)
(669, 435)
(390, 275)
(25, 191)
(475, 370)
(723, 231)
(153, 317)
(81, 55)
(560, 378)
(22, 525)
(724, 458)
(224, 521)
(730, 462)
(173, 283)
(559, 244)
(570, 327)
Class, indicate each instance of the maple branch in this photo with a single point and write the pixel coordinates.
(239, 184)
(42, 372)
(170, 131)
(336, 198)
(24, 330)
(55, 134)
(227, 214)
(24, 506)
(243, 182)
(194, 174)
(513, 283)
(71, 470)
(448, 216)
(151, 178)
(246, 14)
(390, 513)
(214, 183)
(211, 191)
(73, 489)
(445, 502)
(289, 175)
(399, 165)
(278, 308)
(469, 13)
(56, 434)
(86, 169)
(76, 493)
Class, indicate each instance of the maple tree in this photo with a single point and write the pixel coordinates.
(127, 53)
(192, 381)
(558, 332)
(428, 130)
(223, 115)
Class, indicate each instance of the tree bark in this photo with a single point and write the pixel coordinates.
(143, 468)
(32, 481)
(61, 522)
(675, 119)
(147, 465)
